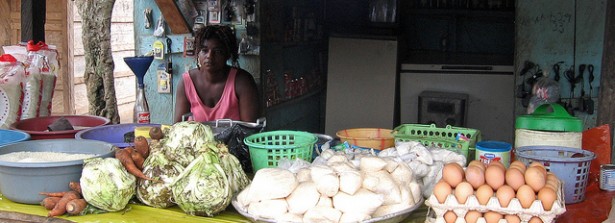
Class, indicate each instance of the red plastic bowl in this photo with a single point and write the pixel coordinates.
(37, 127)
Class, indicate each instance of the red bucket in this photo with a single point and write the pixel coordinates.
(37, 127)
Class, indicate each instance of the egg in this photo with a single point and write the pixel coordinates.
(478, 164)
(475, 176)
(483, 194)
(453, 174)
(535, 178)
(526, 196)
(492, 217)
(540, 166)
(535, 220)
(547, 197)
(463, 191)
(514, 178)
(450, 217)
(495, 176)
(519, 165)
(472, 216)
(512, 218)
(496, 162)
(441, 191)
(504, 194)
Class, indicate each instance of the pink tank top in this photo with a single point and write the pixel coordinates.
(226, 108)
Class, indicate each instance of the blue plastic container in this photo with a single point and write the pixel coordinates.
(113, 134)
(487, 151)
(11, 136)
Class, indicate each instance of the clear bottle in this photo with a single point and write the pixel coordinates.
(141, 110)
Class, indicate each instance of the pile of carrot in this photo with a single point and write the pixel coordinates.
(132, 158)
(65, 202)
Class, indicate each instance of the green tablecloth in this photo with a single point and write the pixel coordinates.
(142, 214)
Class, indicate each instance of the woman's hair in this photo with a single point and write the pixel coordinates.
(225, 34)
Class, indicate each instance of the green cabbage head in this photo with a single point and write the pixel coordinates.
(106, 184)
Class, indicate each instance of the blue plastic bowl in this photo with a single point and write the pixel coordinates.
(11, 136)
(113, 134)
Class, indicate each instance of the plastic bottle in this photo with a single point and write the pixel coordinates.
(141, 110)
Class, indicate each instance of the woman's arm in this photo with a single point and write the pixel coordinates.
(247, 94)
(181, 102)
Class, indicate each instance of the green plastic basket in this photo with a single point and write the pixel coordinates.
(267, 148)
(442, 137)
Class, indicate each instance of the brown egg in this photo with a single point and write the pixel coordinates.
(504, 194)
(463, 191)
(526, 196)
(441, 191)
(450, 217)
(475, 176)
(512, 218)
(492, 217)
(483, 194)
(547, 197)
(535, 178)
(495, 176)
(516, 167)
(472, 216)
(518, 164)
(535, 220)
(539, 164)
(496, 162)
(478, 164)
(514, 178)
(453, 174)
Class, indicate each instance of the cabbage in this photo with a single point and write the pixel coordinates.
(106, 184)
(184, 138)
(231, 166)
(158, 193)
(202, 188)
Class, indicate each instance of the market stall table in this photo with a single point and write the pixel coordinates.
(144, 214)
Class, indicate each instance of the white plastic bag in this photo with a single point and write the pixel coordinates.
(12, 74)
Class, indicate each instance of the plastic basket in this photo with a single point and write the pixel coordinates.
(572, 171)
(448, 136)
(267, 148)
(375, 138)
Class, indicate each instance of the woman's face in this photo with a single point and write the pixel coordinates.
(213, 55)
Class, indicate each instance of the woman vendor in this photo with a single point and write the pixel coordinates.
(216, 90)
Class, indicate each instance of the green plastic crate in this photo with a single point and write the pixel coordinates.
(442, 137)
(267, 148)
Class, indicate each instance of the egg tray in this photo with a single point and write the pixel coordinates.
(514, 208)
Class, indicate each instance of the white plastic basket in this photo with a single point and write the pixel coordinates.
(572, 171)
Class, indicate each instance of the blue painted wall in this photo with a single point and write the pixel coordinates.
(546, 34)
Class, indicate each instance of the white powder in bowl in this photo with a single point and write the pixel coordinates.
(37, 157)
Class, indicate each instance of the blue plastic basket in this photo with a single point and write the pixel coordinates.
(572, 171)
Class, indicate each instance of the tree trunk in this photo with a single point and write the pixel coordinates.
(606, 107)
(99, 82)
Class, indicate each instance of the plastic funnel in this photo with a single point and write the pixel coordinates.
(139, 66)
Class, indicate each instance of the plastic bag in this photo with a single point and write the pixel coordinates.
(544, 91)
(598, 140)
(12, 74)
(233, 138)
(47, 66)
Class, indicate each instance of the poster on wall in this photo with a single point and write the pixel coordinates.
(213, 9)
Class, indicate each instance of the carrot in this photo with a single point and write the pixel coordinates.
(53, 194)
(50, 202)
(60, 207)
(142, 146)
(74, 207)
(138, 159)
(123, 155)
(75, 186)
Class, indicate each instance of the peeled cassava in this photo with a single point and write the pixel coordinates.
(272, 183)
(363, 201)
(304, 197)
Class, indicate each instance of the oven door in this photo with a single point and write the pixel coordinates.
(489, 106)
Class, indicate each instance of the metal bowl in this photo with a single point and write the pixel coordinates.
(22, 182)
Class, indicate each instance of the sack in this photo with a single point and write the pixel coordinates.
(12, 75)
